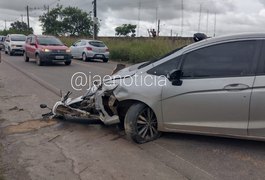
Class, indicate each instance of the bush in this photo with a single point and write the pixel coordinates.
(135, 50)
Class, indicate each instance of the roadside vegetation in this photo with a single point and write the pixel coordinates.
(135, 50)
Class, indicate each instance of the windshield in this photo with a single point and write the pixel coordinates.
(97, 44)
(156, 60)
(49, 41)
(18, 38)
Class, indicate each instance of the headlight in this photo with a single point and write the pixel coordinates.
(46, 50)
(68, 50)
(13, 46)
(109, 86)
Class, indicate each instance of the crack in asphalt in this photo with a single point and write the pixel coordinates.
(68, 158)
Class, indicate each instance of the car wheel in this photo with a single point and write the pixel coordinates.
(67, 63)
(84, 57)
(38, 60)
(141, 124)
(6, 52)
(9, 52)
(26, 58)
(105, 60)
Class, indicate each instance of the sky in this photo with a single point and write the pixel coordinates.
(218, 17)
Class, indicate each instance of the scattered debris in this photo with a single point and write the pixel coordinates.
(14, 109)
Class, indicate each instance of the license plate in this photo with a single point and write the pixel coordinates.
(59, 57)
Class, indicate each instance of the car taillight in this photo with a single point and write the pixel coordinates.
(107, 50)
(89, 48)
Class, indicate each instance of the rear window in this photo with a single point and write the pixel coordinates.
(97, 44)
(18, 38)
(49, 41)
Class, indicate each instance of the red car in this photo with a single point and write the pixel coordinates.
(46, 49)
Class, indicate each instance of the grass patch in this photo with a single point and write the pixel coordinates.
(136, 50)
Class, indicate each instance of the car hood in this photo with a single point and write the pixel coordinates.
(126, 72)
(17, 42)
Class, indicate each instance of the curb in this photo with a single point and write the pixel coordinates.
(41, 82)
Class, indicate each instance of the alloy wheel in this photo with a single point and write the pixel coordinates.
(147, 124)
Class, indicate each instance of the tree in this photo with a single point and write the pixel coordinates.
(126, 30)
(70, 20)
(18, 28)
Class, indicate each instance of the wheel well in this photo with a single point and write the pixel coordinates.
(124, 106)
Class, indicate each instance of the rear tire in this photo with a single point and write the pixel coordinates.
(68, 63)
(141, 124)
(26, 58)
(105, 60)
(84, 57)
(38, 60)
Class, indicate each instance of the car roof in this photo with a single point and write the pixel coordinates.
(227, 38)
(89, 40)
(16, 35)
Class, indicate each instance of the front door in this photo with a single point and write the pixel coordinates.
(215, 94)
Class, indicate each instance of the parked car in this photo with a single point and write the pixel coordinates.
(90, 49)
(2, 42)
(46, 49)
(14, 44)
(212, 87)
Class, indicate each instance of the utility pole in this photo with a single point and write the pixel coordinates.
(5, 24)
(158, 27)
(22, 18)
(182, 17)
(95, 20)
(214, 34)
(28, 15)
(207, 23)
(200, 16)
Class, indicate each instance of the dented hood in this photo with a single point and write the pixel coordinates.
(126, 72)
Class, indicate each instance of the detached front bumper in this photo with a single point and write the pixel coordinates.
(106, 105)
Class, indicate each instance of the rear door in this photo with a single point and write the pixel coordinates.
(257, 106)
(216, 90)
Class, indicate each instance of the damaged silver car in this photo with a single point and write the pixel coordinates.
(212, 87)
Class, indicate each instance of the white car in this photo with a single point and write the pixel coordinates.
(90, 49)
(14, 44)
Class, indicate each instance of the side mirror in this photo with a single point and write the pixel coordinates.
(7, 40)
(32, 44)
(175, 77)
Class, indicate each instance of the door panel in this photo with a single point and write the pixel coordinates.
(257, 108)
(205, 105)
(216, 90)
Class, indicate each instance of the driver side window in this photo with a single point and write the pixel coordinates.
(167, 67)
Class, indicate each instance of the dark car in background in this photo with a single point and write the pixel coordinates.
(46, 49)
(2, 42)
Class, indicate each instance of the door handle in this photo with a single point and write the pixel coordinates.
(236, 87)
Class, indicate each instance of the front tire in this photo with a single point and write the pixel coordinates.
(141, 124)
(38, 60)
(26, 58)
(68, 63)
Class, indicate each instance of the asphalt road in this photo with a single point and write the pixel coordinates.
(191, 156)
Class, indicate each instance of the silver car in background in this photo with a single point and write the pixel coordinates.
(90, 49)
(14, 44)
(2, 42)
